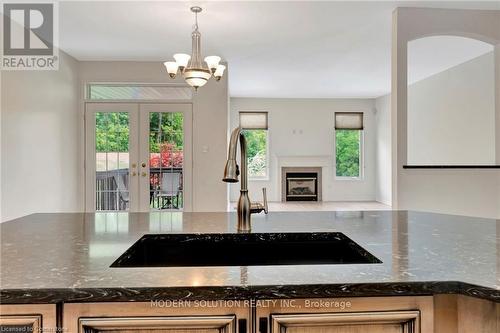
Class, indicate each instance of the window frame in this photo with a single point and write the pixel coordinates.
(361, 157)
(266, 177)
(88, 86)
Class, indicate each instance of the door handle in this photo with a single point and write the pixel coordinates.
(134, 173)
(143, 164)
(242, 326)
(263, 325)
(144, 174)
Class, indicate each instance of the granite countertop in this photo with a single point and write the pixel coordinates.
(66, 257)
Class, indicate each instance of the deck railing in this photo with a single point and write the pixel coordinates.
(112, 190)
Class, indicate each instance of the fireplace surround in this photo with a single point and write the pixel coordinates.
(301, 184)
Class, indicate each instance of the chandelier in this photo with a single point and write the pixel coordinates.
(195, 71)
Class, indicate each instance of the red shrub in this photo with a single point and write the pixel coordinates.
(166, 158)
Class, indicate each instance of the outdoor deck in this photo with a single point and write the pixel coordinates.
(165, 191)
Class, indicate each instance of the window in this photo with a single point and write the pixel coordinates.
(255, 125)
(117, 91)
(348, 144)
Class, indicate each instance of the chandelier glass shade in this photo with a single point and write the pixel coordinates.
(195, 70)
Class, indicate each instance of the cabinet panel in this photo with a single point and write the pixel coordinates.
(464, 314)
(202, 324)
(165, 331)
(145, 318)
(356, 322)
(28, 318)
(349, 329)
(348, 315)
(20, 323)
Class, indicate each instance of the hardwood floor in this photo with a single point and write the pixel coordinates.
(323, 206)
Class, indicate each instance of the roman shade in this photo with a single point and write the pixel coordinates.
(349, 120)
(253, 120)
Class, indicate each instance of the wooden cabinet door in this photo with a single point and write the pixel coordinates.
(142, 317)
(363, 322)
(200, 324)
(28, 318)
(399, 314)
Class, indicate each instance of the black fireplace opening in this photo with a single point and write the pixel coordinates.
(301, 186)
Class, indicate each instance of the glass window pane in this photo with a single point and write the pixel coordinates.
(256, 152)
(178, 122)
(112, 160)
(348, 151)
(166, 158)
(138, 92)
(175, 139)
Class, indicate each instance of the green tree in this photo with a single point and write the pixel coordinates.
(256, 152)
(166, 127)
(347, 152)
(112, 132)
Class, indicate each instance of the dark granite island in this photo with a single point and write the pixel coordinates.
(58, 259)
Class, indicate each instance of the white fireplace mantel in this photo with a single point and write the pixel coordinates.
(305, 161)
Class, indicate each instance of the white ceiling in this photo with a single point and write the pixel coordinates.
(274, 49)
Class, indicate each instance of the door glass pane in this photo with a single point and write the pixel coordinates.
(112, 160)
(166, 157)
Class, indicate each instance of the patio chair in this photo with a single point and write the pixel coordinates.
(170, 189)
(123, 193)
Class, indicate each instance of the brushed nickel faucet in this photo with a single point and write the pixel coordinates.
(245, 207)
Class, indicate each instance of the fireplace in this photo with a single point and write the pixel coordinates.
(301, 184)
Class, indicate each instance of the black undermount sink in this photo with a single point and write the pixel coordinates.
(195, 250)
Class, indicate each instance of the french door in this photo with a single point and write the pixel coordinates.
(138, 156)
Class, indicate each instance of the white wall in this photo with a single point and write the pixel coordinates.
(210, 125)
(1, 155)
(474, 192)
(383, 150)
(301, 132)
(42, 139)
(41, 148)
(210, 109)
(451, 115)
(464, 90)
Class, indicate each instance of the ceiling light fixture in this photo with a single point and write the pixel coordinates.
(195, 71)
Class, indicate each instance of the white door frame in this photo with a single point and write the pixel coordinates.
(138, 149)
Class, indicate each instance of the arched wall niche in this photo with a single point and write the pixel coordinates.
(465, 191)
(450, 102)
(461, 34)
(415, 23)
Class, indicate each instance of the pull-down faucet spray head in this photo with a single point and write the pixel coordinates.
(231, 172)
